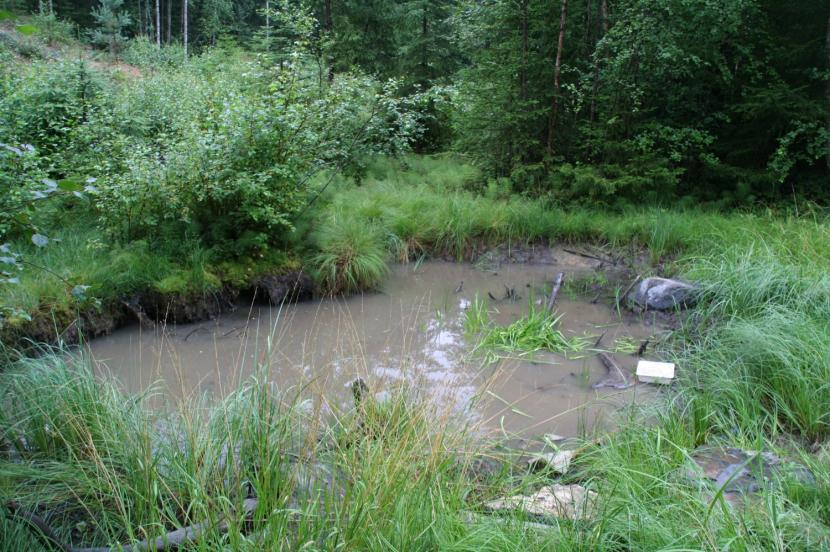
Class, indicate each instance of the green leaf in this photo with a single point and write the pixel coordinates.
(72, 184)
(27, 30)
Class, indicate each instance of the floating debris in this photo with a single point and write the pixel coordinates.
(655, 372)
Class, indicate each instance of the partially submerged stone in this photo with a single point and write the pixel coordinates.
(655, 372)
(558, 462)
(663, 294)
(570, 502)
(740, 473)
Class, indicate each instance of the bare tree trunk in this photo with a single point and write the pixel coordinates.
(51, 8)
(328, 25)
(557, 78)
(424, 34)
(603, 17)
(268, 24)
(603, 10)
(523, 73)
(40, 8)
(148, 19)
(827, 47)
(184, 27)
(158, 23)
(169, 7)
(139, 17)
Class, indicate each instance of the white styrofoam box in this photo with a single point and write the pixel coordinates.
(655, 372)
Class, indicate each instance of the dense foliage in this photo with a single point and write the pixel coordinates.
(610, 101)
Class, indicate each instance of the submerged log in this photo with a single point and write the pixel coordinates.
(134, 307)
(618, 377)
(555, 291)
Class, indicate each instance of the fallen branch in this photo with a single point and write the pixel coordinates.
(45, 532)
(139, 313)
(171, 541)
(589, 256)
(555, 291)
(627, 290)
(618, 377)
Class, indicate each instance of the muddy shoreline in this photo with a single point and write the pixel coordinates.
(151, 307)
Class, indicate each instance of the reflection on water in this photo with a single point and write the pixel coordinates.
(410, 333)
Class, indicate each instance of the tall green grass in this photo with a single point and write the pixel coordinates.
(382, 476)
(352, 255)
(753, 366)
(536, 331)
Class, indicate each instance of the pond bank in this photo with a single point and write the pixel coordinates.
(234, 286)
(422, 330)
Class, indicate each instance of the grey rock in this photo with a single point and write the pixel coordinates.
(571, 502)
(663, 294)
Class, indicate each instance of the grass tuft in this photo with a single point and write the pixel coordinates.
(352, 255)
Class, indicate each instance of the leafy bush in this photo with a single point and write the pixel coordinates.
(54, 31)
(141, 51)
(43, 104)
(642, 182)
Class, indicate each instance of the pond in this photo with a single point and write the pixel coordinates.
(411, 333)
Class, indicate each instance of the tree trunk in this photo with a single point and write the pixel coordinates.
(827, 47)
(603, 11)
(328, 25)
(525, 49)
(139, 17)
(184, 27)
(268, 25)
(51, 8)
(424, 34)
(169, 6)
(603, 17)
(158, 23)
(557, 77)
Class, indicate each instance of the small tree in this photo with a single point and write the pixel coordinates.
(111, 20)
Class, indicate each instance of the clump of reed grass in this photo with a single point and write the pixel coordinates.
(537, 331)
(103, 468)
(352, 255)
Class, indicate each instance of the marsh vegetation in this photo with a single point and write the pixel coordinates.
(184, 176)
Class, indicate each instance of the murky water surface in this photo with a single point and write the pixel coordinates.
(412, 333)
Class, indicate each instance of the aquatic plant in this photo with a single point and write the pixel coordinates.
(537, 331)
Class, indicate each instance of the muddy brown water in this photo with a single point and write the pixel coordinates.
(409, 333)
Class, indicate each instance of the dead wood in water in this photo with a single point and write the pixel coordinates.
(173, 540)
(555, 291)
(590, 256)
(618, 377)
(134, 307)
(625, 293)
